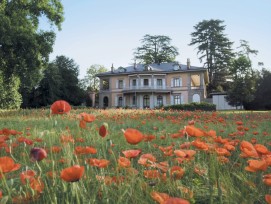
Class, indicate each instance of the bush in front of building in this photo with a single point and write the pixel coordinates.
(192, 107)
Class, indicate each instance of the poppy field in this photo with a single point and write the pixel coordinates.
(134, 156)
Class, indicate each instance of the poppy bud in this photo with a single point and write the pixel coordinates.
(103, 130)
(37, 154)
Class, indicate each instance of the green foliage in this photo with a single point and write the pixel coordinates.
(214, 49)
(60, 81)
(24, 49)
(91, 82)
(262, 100)
(192, 106)
(242, 88)
(10, 98)
(156, 49)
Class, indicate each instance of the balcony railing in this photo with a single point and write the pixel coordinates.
(140, 87)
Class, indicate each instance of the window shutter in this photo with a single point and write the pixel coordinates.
(142, 82)
(155, 82)
(182, 99)
(163, 83)
(116, 101)
(117, 84)
(172, 82)
(181, 82)
(171, 100)
(124, 83)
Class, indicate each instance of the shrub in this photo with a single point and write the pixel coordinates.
(192, 106)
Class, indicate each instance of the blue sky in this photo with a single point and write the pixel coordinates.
(107, 31)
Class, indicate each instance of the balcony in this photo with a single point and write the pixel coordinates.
(139, 88)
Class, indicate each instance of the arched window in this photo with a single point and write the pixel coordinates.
(159, 100)
(196, 98)
(146, 101)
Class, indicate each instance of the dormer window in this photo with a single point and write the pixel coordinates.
(176, 66)
(121, 69)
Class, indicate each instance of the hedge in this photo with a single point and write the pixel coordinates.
(192, 106)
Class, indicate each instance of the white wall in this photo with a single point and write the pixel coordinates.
(222, 104)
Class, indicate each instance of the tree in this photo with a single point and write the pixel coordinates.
(156, 49)
(262, 98)
(91, 81)
(10, 98)
(242, 88)
(60, 82)
(24, 48)
(214, 49)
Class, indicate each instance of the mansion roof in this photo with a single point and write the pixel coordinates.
(152, 68)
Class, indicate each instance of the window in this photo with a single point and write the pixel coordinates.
(120, 84)
(196, 98)
(177, 99)
(159, 82)
(120, 102)
(159, 100)
(146, 101)
(176, 82)
(134, 100)
(134, 82)
(146, 82)
(105, 84)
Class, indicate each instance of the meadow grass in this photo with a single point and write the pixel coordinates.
(206, 178)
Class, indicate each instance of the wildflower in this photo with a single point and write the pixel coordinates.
(132, 153)
(7, 165)
(37, 154)
(60, 107)
(103, 130)
(176, 172)
(133, 136)
(101, 163)
(72, 174)
(124, 162)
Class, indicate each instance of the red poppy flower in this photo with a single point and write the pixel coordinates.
(37, 154)
(267, 179)
(133, 136)
(72, 174)
(146, 159)
(159, 197)
(193, 131)
(87, 117)
(256, 165)
(27, 175)
(124, 162)
(176, 172)
(132, 153)
(60, 107)
(268, 198)
(174, 200)
(7, 165)
(101, 163)
(103, 130)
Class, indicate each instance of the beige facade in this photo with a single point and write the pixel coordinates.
(154, 86)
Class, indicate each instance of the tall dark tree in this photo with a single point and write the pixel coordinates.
(214, 50)
(262, 98)
(60, 82)
(24, 48)
(155, 49)
(242, 88)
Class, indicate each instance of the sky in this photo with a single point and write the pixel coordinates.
(107, 32)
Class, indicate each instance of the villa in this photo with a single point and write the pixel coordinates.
(152, 85)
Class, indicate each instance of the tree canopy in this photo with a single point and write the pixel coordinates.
(24, 48)
(155, 49)
(214, 49)
(60, 81)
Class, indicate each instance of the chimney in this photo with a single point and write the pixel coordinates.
(112, 68)
(188, 63)
(135, 65)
